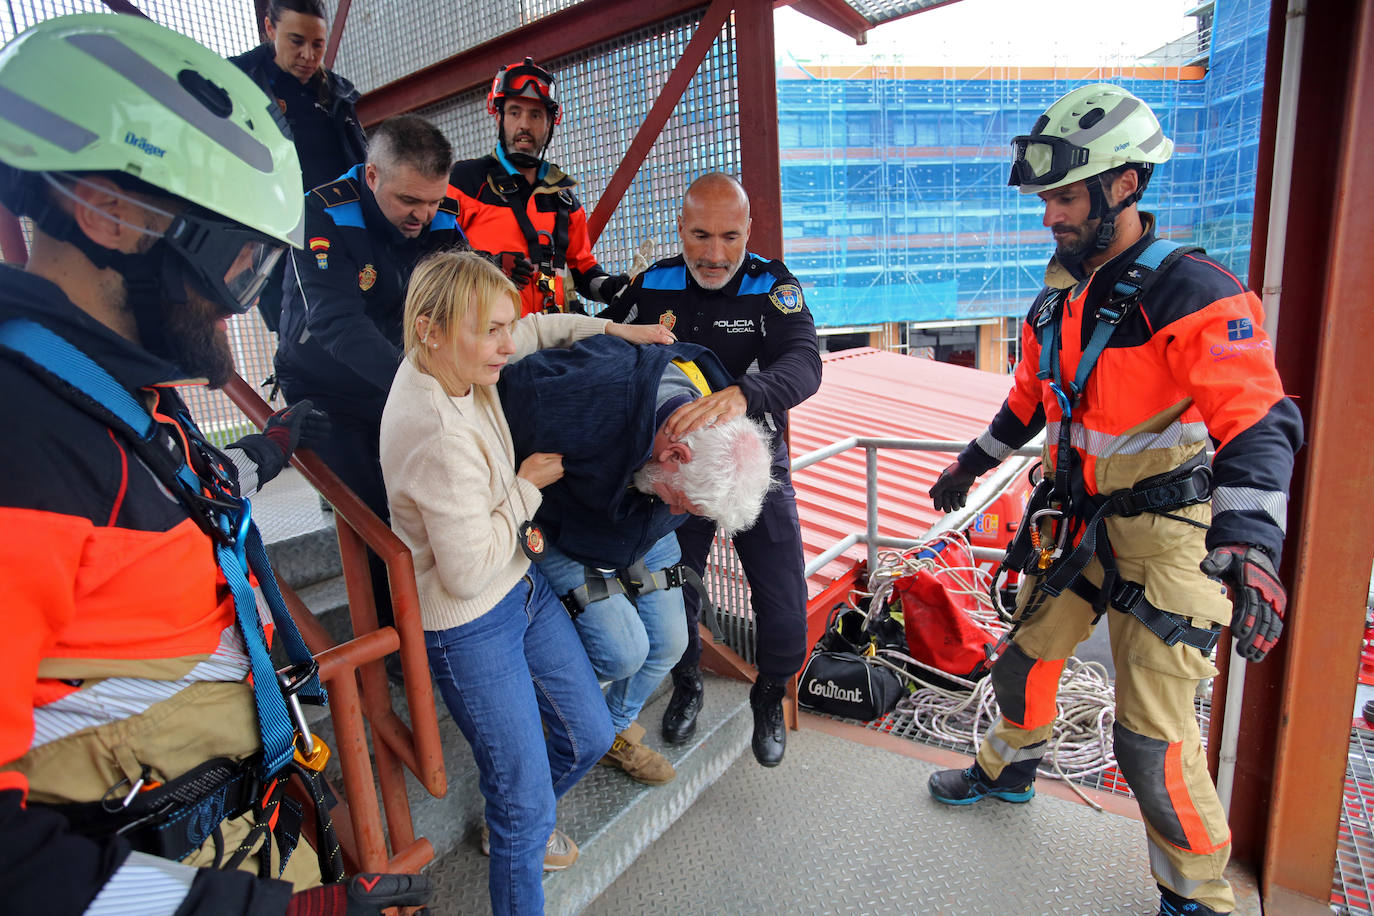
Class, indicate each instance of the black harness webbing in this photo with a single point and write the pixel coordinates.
(1184, 486)
(508, 187)
(638, 580)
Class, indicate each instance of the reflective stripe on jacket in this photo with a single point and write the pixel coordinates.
(1189, 365)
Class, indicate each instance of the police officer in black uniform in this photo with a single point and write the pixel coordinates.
(750, 311)
(340, 339)
(317, 103)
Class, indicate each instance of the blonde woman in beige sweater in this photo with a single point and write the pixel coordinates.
(502, 649)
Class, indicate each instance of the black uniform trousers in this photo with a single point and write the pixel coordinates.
(771, 554)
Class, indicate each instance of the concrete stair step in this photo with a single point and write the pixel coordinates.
(303, 559)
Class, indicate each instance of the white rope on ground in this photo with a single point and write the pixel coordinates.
(1080, 742)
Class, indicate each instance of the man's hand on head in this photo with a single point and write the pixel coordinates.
(719, 407)
(641, 333)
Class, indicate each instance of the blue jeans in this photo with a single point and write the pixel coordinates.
(502, 676)
(633, 644)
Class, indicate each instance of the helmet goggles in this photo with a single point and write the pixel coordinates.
(226, 260)
(523, 80)
(1040, 159)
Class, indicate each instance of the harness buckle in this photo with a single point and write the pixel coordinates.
(1112, 311)
(1176, 632)
(1126, 594)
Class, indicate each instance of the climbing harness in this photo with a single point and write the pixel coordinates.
(1063, 501)
(218, 789)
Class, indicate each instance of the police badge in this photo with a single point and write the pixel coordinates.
(366, 277)
(788, 298)
(667, 319)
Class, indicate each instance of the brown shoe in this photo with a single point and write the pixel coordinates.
(559, 852)
(638, 760)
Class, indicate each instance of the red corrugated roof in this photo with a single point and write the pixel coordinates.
(874, 393)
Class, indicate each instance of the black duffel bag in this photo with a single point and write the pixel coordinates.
(843, 677)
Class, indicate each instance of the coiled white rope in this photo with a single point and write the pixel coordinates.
(1080, 742)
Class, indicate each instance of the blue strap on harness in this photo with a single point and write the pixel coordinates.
(1109, 316)
(237, 551)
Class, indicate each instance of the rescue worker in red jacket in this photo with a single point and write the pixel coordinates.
(136, 756)
(521, 207)
(1139, 356)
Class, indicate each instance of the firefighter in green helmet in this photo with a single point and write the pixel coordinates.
(1140, 356)
(141, 768)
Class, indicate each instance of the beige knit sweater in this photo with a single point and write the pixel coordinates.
(451, 481)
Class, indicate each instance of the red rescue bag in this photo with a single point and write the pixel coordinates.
(940, 631)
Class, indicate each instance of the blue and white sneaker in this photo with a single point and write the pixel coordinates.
(964, 787)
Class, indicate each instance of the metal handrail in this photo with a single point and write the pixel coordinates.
(980, 497)
(394, 744)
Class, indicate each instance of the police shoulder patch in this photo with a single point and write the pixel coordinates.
(787, 297)
(340, 191)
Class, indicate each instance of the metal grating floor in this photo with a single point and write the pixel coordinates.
(1355, 842)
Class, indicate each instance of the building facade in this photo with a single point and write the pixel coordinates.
(896, 209)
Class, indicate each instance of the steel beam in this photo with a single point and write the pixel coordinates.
(260, 14)
(1331, 558)
(758, 124)
(692, 56)
(837, 14)
(13, 249)
(124, 6)
(581, 26)
(336, 32)
(1251, 783)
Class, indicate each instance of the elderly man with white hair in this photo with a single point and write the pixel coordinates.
(603, 534)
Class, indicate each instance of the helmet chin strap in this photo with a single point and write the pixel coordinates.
(1106, 228)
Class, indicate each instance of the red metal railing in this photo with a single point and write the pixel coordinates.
(357, 684)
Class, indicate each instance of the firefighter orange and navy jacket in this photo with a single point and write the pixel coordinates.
(114, 604)
(340, 336)
(491, 199)
(1196, 348)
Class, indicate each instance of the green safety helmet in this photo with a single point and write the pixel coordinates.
(1088, 131)
(154, 111)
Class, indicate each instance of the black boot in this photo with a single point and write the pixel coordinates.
(770, 732)
(680, 718)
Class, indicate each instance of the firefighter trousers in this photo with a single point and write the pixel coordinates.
(1156, 737)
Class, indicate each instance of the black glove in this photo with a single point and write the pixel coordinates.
(362, 895)
(301, 424)
(951, 490)
(1257, 596)
(608, 288)
(515, 265)
(298, 425)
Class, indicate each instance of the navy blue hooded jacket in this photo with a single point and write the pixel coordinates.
(594, 404)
